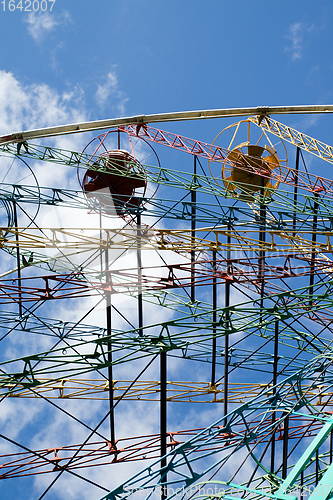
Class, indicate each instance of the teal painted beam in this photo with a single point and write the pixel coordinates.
(324, 488)
(304, 460)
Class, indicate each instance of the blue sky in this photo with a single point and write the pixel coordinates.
(128, 58)
(90, 60)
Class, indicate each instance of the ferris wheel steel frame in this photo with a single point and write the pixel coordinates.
(272, 410)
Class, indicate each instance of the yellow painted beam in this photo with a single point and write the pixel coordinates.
(177, 240)
(177, 391)
(298, 139)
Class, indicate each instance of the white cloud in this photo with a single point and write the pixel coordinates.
(109, 87)
(42, 23)
(54, 60)
(27, 107)
(296, 37)
(36, 106)
(297, 33)
(307, 122)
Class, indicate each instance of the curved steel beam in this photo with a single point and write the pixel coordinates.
(162, 117)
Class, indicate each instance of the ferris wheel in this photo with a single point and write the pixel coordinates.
(166, 316)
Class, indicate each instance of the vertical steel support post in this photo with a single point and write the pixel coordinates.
(295, 187)
(285, 446)
(163, 421)
(214, 321)
(18, 258)
(262, 253)
(193, 216)
(313, 252)
(275, 366)
(139, 261)
(109, 346)
(226, 336)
